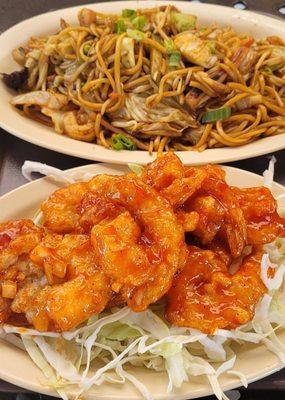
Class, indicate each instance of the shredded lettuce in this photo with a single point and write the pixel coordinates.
(275, 282)
(30, 167)
(268, 174)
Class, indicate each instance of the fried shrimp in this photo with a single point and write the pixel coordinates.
(163, 171)
(205, 296)
(146, 252)
(75, 290)
(260, 210)
(234, 227)
(211, 217)
(17, 239)
(219, 209)
(60, 214)
(76, 209)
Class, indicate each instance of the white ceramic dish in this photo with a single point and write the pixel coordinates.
(31, 131)
(254, 361)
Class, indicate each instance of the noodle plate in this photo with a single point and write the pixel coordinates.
(154, 80)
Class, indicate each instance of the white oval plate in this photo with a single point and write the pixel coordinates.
(31, 131)
(16, 367)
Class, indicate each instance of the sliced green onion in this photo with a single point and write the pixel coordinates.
(120, 26)
(129, 13)
(216, 115)
(135, 34)
(212, 46)
(122, 142)
(86, 49)
(169, 45)
(174, 59)
(139, 22)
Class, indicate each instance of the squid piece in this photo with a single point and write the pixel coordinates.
(205, 296)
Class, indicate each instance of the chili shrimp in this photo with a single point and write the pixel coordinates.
(76, 209)
(260, 210)
(207, 297)
(75, 287)
(17, 239)
(218, 208)
(142, 249)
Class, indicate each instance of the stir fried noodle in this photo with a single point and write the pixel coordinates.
(152, 79)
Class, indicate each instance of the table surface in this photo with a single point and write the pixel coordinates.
(13, 151)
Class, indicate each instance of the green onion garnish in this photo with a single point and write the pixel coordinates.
(86, 49)
(139, 22)
(120, 26)
(128, 13)
(122, 142)
(135, 34)
(216, 115)
(169, 45)
(174, 59)
(212, 46)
